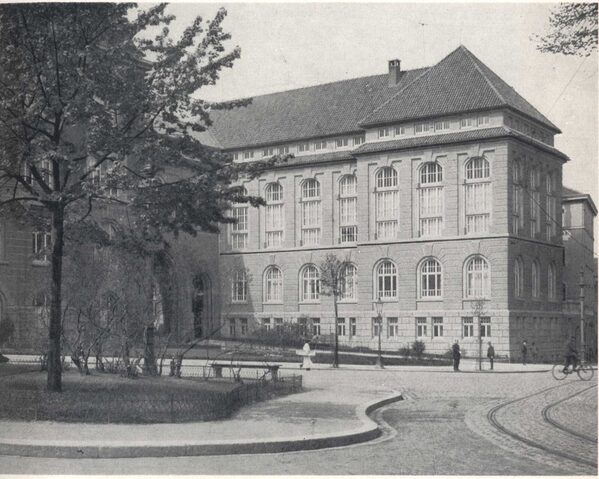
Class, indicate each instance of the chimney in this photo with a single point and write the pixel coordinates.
(394, 72)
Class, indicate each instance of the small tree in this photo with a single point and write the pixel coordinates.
(418, 347)
(573, 30)
(332, 283)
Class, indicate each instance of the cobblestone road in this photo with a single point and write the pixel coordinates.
(442, 429)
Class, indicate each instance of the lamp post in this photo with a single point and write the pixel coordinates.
(581, 298)
(378, 304)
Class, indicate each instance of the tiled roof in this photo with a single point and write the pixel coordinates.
(448, 138)
(570, 192)
(458, 83)
(312, 159)
(311, 112)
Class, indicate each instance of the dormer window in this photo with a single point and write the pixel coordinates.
(420, 128)
(342, 142)
(283, 150)
(400, 130)
(482, 120)
(235, 156)
(358, 140)
(320, 145)
(384, 132)
(248, 155)
(268, 152)
(466, 122)
(304, 147)
(442, 125)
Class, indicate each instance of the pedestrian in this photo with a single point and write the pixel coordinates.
(534, 352)
(524, 352)
(491, 354)
(455, 351)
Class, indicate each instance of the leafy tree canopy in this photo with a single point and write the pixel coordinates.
(573, 30)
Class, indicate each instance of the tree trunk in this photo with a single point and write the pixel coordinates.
(54, 381)
(336, 353)
(149, 353)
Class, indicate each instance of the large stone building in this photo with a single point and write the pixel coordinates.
(440, 186)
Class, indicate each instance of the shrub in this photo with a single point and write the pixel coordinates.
(404, 352)
(418, 348)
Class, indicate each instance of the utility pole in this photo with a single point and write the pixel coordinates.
(582, 345)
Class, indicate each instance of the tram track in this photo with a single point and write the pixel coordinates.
(547, 417)
(493, 420)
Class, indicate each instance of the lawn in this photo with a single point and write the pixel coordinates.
(111, 398)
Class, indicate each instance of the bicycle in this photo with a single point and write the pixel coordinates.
(585, 371)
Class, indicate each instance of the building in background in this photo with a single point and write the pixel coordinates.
(440, 187)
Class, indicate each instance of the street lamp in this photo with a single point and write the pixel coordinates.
(378, 304)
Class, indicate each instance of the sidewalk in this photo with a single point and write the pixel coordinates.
(327, 414)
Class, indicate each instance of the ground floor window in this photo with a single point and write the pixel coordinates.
(232, 327)
(392, 327)
(468, 327)
(243, 323)
(341, 326)
(485, 327)
(352, 326)
(421, 328)
(316, 326)
(437, 327)
(376, 324)
(278, 323)
(303, 325)
(266, 323)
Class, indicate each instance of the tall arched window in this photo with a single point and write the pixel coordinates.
(348, 205)
(478, 195)
(518, 277)
(431, 199)
(535, 279)
(551, 282)
(240, 229)
(387, 203)
(430, 279)
(275, 217)
(273, 285)
(311, 212)
(386, 278)
(551, 212)
(239, 286)
(517, 198)
(478, 282)
(310, 283)
(348, 280)
(535, 201)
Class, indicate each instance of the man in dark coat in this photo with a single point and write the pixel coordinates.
(491, 354)
(455, 350)
(571, 354)
(524, 352)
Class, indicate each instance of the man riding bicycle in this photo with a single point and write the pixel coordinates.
(571, 354)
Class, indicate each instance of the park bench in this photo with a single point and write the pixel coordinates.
(273, 369)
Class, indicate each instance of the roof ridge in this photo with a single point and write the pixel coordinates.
(316, 85)
(426, 70)
(470, 56)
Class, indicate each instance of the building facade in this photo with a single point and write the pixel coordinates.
(440, 187)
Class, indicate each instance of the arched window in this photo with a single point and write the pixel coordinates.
(239, 286)
(240, 229)
(430, 279)
(551, 282)
(311, 212)
(535, 201)
(536, 279)
(478, 195)
(310, 283)
(273, 285)
(348, 205)
(518, 277)
(387, 207)
(348, 280)
(386, 276)
(275, 217)
(477, 278)
(431, 199)
(551, 207)
(517, 198)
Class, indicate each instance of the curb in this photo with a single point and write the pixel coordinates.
(370, 430)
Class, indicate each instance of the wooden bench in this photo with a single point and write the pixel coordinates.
(273, 369)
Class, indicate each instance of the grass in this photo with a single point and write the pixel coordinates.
(109, 398)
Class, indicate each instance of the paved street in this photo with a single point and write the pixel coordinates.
(441, 428)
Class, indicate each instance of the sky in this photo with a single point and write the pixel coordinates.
(286, 46)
